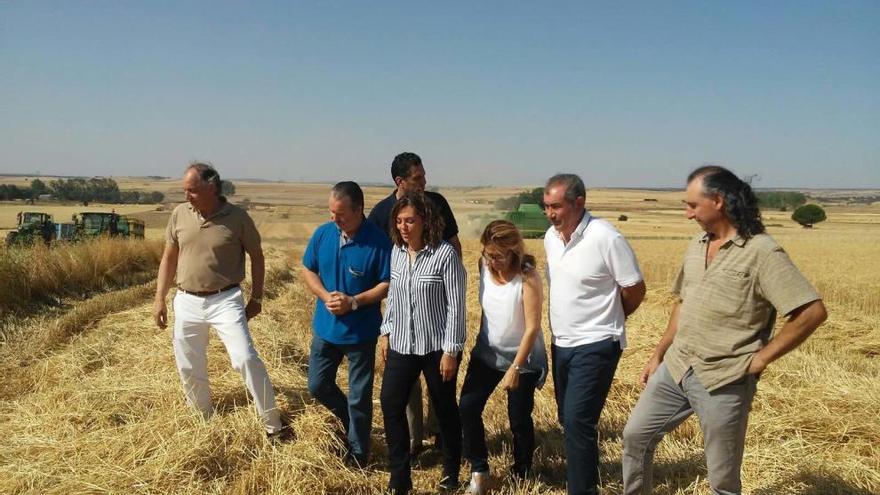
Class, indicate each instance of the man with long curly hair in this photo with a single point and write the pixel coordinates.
(734, 280)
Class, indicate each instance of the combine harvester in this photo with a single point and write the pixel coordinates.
(530, 220)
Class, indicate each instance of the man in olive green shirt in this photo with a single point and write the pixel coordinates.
(733, 282)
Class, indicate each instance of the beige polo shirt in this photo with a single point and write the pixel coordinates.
(728, 310)
(211, 249)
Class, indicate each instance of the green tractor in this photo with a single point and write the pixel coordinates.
(530, 220)
(96, 224)
(31, 227)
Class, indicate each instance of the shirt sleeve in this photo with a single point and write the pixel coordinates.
(783, 285)
(678, 285)
(387, 319)
(622, 262)
(310, 257)
(454, 283)
(171, 229)
(250, 236)
(384, 260)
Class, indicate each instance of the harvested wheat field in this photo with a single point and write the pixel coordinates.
(91, 402)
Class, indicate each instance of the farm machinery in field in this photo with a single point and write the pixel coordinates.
(31, 226)
(530, 220)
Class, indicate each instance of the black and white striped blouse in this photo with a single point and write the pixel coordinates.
(425, 310)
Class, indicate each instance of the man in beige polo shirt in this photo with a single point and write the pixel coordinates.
(206, 242)
(734, 280)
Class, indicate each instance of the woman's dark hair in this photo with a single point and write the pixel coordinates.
(432, 234)
(740, 202)
(505, 236)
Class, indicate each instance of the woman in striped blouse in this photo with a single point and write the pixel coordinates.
(423, 331)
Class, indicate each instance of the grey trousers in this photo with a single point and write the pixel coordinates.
(664, 404)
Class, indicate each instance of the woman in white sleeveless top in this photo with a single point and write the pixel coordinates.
(509, 350)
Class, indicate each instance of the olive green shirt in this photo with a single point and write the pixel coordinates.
(212, 249)
(729, 308)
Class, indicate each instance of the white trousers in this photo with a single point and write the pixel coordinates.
(193, 317)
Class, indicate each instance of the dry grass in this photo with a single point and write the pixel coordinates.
(39, 274)
(98, 407)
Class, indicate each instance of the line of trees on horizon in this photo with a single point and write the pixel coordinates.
(96, 189)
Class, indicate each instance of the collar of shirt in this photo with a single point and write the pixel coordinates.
(579, 230)
(221, 210)
(738, 240)
(428, 249)
(358, 236)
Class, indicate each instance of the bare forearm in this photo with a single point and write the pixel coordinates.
(632, 297)
(258, 274)
(313, 282)
(372, 296)
(795, 331)
(167, 269)
(525, 346)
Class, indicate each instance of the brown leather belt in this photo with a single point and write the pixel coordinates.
(206, 293)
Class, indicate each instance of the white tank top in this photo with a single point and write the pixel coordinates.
(503, 325)
(503, 320)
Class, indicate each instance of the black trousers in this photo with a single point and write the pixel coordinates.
(582, 376)
(479, 383)
(401, 372)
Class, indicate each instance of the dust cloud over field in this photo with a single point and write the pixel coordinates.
(96, 405)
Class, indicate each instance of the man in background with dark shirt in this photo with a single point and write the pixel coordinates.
(408, 174)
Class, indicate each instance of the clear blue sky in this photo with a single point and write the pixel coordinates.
(624, 93)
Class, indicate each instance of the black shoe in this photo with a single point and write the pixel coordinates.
(399, 490)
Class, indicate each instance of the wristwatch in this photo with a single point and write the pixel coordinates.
(258, 300)
(354, 303)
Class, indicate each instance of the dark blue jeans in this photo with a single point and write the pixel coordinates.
(401, 371)
(479, 383)
(356, 410)
(582, 376)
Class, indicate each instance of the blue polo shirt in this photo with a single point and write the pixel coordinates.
(352, 268)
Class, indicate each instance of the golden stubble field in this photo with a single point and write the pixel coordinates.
(98, 408)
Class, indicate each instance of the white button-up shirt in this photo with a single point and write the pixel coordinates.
(585, 277)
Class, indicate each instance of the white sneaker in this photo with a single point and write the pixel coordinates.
(479, 483)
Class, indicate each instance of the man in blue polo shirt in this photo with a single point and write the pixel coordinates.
(347, 266)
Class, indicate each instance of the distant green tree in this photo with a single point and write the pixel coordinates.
(511, 203)
(808, 215)
(227, 188)
(780, 200)
(11, 191)
(38, 187)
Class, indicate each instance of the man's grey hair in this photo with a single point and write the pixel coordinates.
(208, 174)
(350, 190)
(574, 186)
